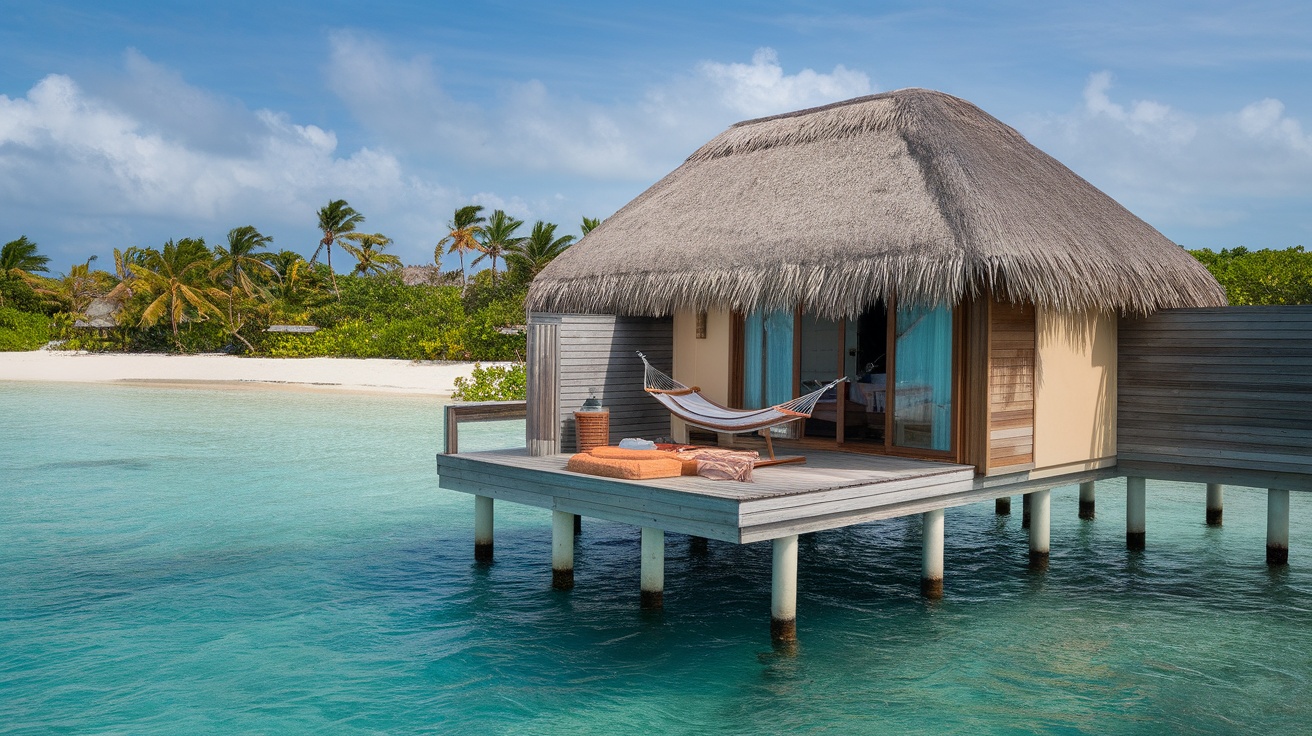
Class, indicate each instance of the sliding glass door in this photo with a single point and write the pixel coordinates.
(922, 399)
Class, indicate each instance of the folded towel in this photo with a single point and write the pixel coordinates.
(634, 443)
(656, 467)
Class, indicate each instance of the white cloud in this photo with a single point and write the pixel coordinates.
(761, 87)
(1188, 170)
(530, 126)
(84, 167)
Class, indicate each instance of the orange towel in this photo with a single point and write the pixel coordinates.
(620, 453)
(655, 467)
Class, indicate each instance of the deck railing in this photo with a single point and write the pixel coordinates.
(477, 411)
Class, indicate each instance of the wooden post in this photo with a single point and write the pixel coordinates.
(1025, 511)
(1215, 504)
(931, 554)
(482, 528)
(1086, 500)
(1040, 516)
(562, 550)
(1277, 527)
(1002, 506)
(653, 568)
(1136, 521)
(783, 591)
(578, 525)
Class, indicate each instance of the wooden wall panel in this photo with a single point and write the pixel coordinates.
(1221, 395)
(1011, 347)
(599, 352)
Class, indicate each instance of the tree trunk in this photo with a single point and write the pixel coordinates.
(333, 273)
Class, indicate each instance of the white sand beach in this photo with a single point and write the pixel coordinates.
(214, 371)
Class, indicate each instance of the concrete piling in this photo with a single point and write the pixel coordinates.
(482, 528)
(1215, 504)
(783, 591)
(653, 568)
(1040, 517)
(1086, 500)
(1277, 527)
(931, 559)
(1002, 506)
(562, 550)
(1136, 520)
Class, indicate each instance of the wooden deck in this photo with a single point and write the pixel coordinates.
(832, 489)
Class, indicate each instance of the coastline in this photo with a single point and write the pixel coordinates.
(360, 375)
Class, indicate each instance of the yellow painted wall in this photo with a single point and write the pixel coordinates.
(1075, 389)
(702, 362)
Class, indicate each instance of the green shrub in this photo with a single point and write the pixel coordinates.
(1261, 276)
(493, 383)
(22, 330)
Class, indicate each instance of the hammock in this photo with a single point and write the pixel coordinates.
(689, 405)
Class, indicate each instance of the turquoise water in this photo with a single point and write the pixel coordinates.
(195, 561)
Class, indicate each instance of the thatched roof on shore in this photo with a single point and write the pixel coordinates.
(912, 192)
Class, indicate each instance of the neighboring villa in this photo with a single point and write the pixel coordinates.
(987, 304)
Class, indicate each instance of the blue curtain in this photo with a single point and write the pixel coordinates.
(767, 359)
(922, 404)
(753, 354)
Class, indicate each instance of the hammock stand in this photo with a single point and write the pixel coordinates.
(688, 404)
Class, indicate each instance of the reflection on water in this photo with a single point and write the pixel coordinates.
(284, 562)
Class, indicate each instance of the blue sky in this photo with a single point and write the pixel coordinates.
(131, 123)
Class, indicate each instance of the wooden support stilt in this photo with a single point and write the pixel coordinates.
(482, 528)
(1277, 527)
(578, 525)
(1087, 500)
(1025, 502)
(1002, 506)
(1136, 521)
(931, 555)
(562, 550)
(1040, 517)
(653, 568)
(1215, 504)
(783, 591)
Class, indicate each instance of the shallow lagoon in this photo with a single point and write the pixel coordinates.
(208, 561)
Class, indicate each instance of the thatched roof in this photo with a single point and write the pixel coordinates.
(914, 192)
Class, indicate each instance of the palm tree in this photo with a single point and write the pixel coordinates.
(464, 227)
(234, 261)
(336, 218)
(123, 261)
(171, 279)
(369, 253)
(289, 267)
(498, 237)
(78, 287)
(19, 262)
(538, 249)
(18, 258)
(590, 224)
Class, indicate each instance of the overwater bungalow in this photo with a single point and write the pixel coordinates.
(1003, 327)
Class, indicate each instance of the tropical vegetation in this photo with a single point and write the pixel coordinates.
(185, 296)
(1261, 276)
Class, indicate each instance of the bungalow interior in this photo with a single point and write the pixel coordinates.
(1004, 387)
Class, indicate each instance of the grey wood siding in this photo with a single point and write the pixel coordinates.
(1221, 395)
(595, 352)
